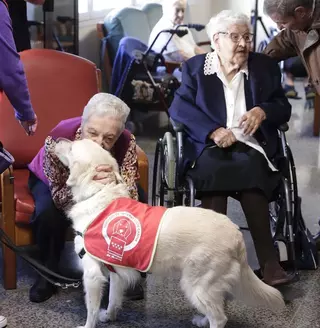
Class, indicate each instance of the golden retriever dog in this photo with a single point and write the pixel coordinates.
(205, 248)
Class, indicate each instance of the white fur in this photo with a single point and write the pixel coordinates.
(205, 247)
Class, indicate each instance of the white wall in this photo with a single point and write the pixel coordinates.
(88, 41)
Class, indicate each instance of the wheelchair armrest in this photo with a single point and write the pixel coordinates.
(177, 127)
(204, 43)
(283, 127)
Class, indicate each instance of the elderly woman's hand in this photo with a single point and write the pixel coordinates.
(251, 120)
(223, 138)
(104, 174)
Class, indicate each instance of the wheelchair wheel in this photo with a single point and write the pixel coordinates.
(157, 183)
(163, 187)
(284, 212)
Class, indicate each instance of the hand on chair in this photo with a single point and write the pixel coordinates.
(251, 120)
(30, 126)
(223, 138)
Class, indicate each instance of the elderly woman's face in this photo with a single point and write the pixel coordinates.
(234, 45)
(104, 130)
(175, 11)
(178, 14)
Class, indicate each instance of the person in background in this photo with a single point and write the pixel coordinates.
(299, 22)
(18, 14)
(12, 77)
(13, 83)
(178, 49)
(293, 68)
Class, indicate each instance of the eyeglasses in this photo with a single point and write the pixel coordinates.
(236, 37)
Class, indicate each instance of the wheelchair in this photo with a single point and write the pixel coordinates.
(172, 187)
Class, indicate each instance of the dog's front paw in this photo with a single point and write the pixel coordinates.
(200, 321)
(105, 316)
(81, 327)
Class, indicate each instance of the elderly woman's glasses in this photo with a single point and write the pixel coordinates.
(236, 37)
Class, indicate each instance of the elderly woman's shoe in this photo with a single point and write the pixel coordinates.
(274, 275)
(41, 290)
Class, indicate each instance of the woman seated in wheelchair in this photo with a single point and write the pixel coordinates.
(178, 49)
(231, 102)
(103, 121)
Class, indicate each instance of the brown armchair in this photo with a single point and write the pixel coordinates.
(60, 85)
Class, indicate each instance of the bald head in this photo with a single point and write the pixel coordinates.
(286, 8)
(291, 14)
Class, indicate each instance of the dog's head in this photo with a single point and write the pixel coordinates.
(82, 158)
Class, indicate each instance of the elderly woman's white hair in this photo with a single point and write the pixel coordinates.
(106, 104)
(168, 6)
(222, 21)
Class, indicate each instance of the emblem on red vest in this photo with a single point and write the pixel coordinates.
(125, 234)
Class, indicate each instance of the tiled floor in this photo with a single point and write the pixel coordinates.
(164, 305)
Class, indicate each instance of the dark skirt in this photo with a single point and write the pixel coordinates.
(233, 169)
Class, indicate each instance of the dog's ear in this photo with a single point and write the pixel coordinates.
(63, 150)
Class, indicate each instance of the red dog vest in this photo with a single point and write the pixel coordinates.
(125, 234)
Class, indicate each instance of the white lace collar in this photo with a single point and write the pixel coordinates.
(212, 65)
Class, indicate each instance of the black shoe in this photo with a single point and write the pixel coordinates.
(135, 294)
(290, 92)
(41, 290)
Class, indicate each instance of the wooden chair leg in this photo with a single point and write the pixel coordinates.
(316, 118)
(8, 226)
(9, 268)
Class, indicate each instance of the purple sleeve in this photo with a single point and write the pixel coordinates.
(12, 77)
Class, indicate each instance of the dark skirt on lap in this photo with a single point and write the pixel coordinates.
(233, 169)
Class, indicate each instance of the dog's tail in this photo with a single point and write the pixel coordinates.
(252, 290)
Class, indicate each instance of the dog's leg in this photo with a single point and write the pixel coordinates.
(206, 292)
(215, 315)
(93, 281)
(116, 292)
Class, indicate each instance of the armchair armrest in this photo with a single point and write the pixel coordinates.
(7, 196)
(143, 165)
(7, 223)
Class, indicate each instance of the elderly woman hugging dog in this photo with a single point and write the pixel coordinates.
(103, 121)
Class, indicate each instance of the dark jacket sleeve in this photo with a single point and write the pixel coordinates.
(281, 47)
(277, 106)
(12, 77)
(185, 110)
